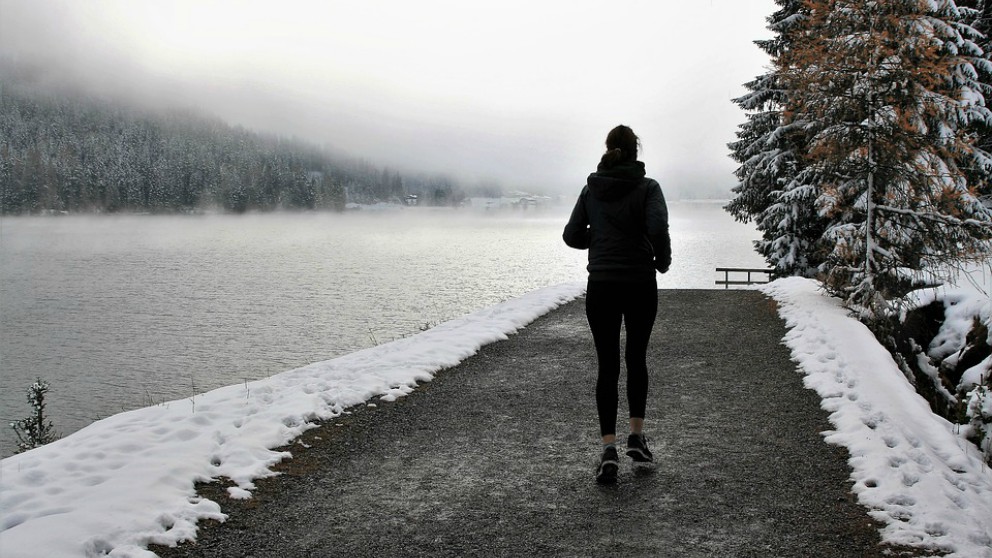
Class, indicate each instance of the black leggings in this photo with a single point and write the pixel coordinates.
(608, 304)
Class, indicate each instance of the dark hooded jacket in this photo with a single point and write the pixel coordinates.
(622, 219)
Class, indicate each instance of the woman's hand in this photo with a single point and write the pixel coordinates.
(662, 265)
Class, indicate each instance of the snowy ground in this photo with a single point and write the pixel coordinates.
(121, 483)
(912, 469)
(127, 481)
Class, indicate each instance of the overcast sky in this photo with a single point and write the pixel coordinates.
(522, 92)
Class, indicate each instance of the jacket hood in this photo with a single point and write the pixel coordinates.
(615, 182)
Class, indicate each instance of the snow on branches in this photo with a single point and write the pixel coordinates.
(35, 430)
(883, 104)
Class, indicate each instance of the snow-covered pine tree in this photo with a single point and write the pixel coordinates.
(770, 190)
(35, 430)
(890, 94)
(761, 162)
(978, 14)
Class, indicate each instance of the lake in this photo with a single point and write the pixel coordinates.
(120, 312)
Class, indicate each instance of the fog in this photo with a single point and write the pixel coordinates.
(521, 93)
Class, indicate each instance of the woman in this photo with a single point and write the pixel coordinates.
(621, 218)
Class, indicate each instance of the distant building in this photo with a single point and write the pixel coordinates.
(513, 201)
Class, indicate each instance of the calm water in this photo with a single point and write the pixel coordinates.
(122, 312)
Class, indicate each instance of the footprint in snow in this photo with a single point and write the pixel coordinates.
(936, 529)
(909, 479)
(921, 459)
(900, 500)
(94, 480)
(185, 435)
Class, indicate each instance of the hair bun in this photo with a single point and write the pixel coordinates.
(621, 145)
(612, 157)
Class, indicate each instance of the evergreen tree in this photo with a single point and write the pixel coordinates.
(84, 154)
(978, 14)
(35, 430)
(889, 95)
(772, 190)
(8, 172)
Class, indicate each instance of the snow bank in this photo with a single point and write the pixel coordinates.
(960, 310)
(911, 469)
(121, 483)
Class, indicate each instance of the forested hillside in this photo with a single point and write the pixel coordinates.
(77, 153)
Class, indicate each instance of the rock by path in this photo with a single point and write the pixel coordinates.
(496, 456)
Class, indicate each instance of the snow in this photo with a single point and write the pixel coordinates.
(127, 481)
(121, 483)
(912, 469)
(964, 301)
(960, 311)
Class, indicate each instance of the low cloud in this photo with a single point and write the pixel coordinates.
(504, 92)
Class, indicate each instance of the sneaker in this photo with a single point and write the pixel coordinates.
(609, 464)
(637, 450)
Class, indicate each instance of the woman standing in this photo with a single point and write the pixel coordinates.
(622, 219)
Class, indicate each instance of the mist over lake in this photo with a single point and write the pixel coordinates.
(121, 312)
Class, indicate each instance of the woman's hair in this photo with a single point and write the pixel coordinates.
(621, 146)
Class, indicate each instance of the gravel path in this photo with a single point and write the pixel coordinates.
(496, 457)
